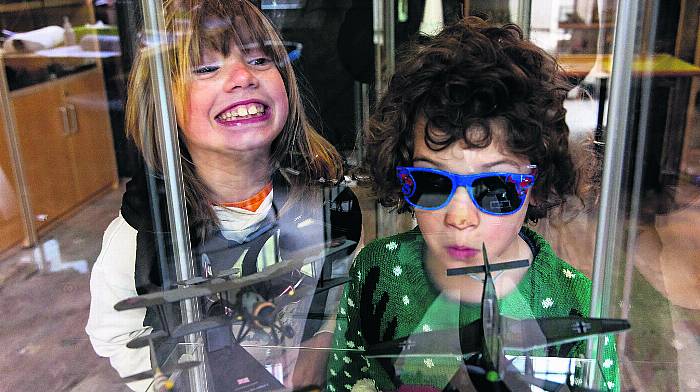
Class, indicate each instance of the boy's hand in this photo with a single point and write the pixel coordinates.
(310, 368)
(371, 323)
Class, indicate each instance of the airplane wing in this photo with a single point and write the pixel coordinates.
(211, 288)
(219, 284)
(198, 326)
(166, 370)
(434, 342)
(194, 281)
(328, 284)
(529, 334)
(143, 340)
(480, 269)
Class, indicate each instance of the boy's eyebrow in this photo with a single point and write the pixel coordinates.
(484, 166)
(426, 159)
(501, 162)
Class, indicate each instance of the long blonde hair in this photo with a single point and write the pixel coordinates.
(191, 27)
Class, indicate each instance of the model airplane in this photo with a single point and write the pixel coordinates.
(483, 342)
(253, 303)
(238, 300)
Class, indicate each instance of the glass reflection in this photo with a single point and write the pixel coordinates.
(471, 101)
(48, 258)
(266, 204)
(655, 279)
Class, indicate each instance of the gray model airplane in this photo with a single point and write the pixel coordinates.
(484, 341)
(237, 300)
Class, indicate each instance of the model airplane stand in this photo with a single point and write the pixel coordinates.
(231, 368)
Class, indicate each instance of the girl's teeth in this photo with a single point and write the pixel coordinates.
(244, 111)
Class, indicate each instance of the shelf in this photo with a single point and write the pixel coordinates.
(585, 26)
(50, 79)
(36, 5)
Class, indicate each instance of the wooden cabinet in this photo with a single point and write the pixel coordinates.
(66, 144)
(11, 223)
(44, 148)
(91, 143)
(62, 126)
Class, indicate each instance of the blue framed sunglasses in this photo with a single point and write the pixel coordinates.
(497, 193)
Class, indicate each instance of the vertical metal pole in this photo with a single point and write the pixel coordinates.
(8, 115)
(365, 102)
(384, 44)
(357, 112)
(390, 39)
(361, 115)
(635, 196)
(378, 39)
(172, 170)
(525, 16)
(618, 122)
(383, 21)
(610, 219)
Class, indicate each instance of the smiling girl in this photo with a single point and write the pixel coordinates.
(254, 170)
(470, 137)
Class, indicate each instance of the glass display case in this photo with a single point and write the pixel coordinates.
(251, 232)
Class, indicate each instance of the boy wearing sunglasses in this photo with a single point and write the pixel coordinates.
(470, 136)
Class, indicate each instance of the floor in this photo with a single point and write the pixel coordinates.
(45, 290)
(44, 300)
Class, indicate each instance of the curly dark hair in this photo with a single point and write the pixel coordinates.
(463, 81)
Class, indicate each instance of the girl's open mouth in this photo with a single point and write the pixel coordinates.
(243, 113)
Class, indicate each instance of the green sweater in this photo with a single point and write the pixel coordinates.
(390, 296)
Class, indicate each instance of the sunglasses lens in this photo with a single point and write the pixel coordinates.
(432, 189)
(496, 195)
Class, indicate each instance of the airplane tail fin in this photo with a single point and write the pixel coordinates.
(487, 267)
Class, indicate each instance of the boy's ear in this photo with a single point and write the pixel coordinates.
(531, 199)
(533, 211)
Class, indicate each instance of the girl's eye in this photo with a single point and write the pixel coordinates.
(205, 69)
(260, 61)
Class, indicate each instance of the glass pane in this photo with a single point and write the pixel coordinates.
(655, 244)
(268, 220)
(653, 262)
(229, 211)
(63, 109)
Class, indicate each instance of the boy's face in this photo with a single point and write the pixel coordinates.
(454, 234)
(237, 104)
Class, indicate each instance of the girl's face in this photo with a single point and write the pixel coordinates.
(454, 234)
(237, 103)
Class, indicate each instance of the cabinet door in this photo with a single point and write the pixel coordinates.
(45, 150)
(11, 225)
(91, 141)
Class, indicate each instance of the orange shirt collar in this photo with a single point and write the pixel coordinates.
(252, 203)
